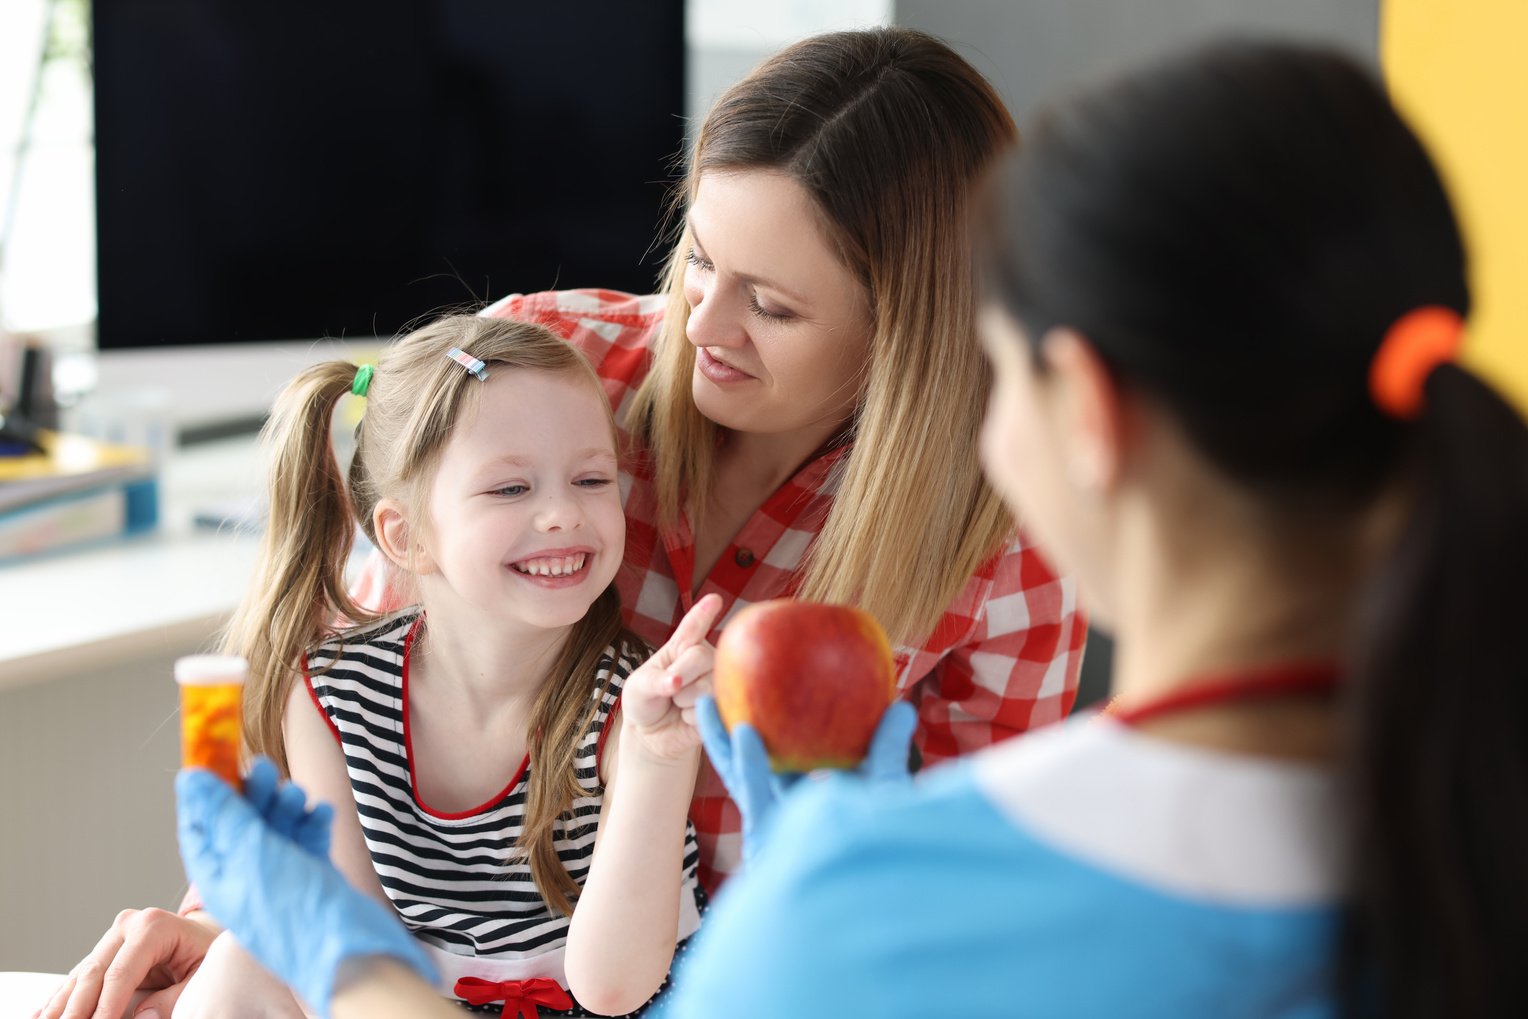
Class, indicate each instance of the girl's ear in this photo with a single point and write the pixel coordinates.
(1093, 406)
(397, 540)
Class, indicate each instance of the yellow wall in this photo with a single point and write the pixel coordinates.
(1459, 72)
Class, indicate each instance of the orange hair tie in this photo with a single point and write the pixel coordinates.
(1418, 342)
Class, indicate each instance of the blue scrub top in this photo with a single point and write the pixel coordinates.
(1081, 870)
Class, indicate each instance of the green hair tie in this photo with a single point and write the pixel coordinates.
(362, 380)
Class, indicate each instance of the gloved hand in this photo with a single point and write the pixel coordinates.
(261, 864)
(743, 763)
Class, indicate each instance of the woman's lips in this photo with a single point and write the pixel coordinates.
(716, 371)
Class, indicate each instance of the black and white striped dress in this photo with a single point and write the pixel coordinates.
(450, 876)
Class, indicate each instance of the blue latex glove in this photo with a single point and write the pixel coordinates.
(261, 863)
(743, 763)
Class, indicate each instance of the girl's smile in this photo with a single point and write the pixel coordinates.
(563, 567)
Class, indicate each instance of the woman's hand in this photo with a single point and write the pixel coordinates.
(145, 950)
(742, 761)
(658, 703)
(230, 984)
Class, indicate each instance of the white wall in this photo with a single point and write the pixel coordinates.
(87, 764)
(724, 39)
(1031, 49)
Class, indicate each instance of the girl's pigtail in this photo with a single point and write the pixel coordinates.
(298, 592)
(1439, 716)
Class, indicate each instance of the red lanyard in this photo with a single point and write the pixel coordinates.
(1286, 680)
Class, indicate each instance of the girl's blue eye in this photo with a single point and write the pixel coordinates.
(512, 490)
(593, 482)
(693, 257)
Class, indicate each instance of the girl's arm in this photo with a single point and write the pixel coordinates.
(378, 987)
(625, 925)
(231, 984)
(317, 764)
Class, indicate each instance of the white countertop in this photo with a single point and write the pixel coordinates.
(21, 994)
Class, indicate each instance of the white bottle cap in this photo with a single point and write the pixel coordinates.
(210, 670)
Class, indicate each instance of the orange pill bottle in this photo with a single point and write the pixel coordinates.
(211, 713)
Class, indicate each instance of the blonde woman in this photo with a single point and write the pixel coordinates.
(800, 408)
(799, 414)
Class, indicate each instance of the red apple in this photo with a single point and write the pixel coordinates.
(813, 679)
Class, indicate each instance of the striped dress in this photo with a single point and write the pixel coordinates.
(451, 876)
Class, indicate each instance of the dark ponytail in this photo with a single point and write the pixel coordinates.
(1235, 230)
(1438, 707)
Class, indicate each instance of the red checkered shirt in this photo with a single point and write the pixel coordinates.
(1004, 657)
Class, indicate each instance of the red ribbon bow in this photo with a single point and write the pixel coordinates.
(520, 995)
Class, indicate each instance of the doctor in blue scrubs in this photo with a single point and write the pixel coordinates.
(1225, 296)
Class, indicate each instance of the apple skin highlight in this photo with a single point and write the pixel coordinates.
(813, 679)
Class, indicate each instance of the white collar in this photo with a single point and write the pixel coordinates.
(1229, 829)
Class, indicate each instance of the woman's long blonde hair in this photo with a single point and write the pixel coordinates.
(298, 596)
(888, 130)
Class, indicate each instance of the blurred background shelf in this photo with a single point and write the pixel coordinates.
(118, 599)
(89, 740)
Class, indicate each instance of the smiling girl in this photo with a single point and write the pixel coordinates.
(471, 742)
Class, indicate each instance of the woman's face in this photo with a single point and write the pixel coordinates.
(781, 327)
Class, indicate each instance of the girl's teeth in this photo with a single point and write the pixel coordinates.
(557, 566)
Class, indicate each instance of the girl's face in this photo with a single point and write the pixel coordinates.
(782, 329)
(525, 512)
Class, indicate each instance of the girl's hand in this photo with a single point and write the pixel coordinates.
(658, 704)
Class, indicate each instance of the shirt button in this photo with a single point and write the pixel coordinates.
(743, 557)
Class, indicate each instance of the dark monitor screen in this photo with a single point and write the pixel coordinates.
(279, 169)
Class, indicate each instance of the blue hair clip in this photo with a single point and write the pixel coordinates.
(469, 362)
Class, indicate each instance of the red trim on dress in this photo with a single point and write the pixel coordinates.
(408, 750)
(307, 681)
(599, 748)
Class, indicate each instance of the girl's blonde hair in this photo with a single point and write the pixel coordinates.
(299, 596)
(887, 130)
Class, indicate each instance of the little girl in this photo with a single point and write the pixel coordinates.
(479, 733)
